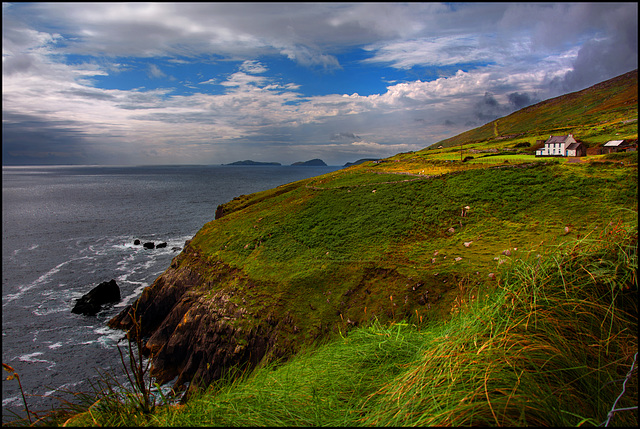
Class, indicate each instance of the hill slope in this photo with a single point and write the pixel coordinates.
(593, 114)
(388, 240)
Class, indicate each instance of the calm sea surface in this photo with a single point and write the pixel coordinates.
(67, 229)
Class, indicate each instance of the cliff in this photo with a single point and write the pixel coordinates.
(195, 330)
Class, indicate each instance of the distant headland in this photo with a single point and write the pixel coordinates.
(249, 162)
(312, 163)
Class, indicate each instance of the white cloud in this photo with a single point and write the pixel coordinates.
(433, 51)
(513, 47)
(155, 72)
(243, 79)
(253, 67)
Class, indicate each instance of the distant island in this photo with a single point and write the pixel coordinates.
(360, 161)
(249, 162)
(311, 163)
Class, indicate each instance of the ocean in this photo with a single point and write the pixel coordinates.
(65, 229)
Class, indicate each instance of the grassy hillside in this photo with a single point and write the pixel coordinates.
(554, 344)
(424, 290)
(603, 112)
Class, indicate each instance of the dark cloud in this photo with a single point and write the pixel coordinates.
(350, 137)
(520, 100)
(89, 93)
(600, 59)
(29, 140)
(18, 64)
(33, 140)
(488, 108)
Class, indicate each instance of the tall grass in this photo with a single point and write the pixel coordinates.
(549, 348)
(325, 387)
(553, 345)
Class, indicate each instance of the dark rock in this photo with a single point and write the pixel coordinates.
(91, 303)
(136, 242)
(194, 335)
(149, 245)
(161, 245)
(219, 211)
(176, 249)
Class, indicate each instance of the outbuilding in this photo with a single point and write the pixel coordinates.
(619, 146)
(576, 149)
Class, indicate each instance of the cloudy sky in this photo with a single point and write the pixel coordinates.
(212, 83)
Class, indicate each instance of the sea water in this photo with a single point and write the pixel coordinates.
(65, 229)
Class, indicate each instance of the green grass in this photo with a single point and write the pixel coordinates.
(343, 249)
(550, 345)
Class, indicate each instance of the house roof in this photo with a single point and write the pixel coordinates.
(614, 143)
(557, 139)
(574, 146)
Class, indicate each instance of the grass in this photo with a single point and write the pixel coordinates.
(539, 351)
(342, 250)
(550, 345)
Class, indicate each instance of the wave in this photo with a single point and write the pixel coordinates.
(40, 280)
(31, 358)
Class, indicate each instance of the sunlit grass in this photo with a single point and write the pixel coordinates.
(550, 346)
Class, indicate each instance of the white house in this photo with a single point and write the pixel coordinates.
(561, 146)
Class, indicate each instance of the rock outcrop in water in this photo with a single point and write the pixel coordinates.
(91, 303)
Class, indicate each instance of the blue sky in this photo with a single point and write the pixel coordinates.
(212, 83)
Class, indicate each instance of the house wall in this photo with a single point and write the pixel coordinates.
(557, 149)
(552, 149)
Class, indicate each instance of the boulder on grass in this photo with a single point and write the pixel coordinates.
(91, 303)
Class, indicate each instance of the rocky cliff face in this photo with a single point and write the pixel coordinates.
(195, 327)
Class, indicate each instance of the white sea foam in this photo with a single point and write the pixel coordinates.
(13, 400)
(108, 337)
(65, 386)
(40, 311)
(136, 293)
(43, 279)
(32, 358)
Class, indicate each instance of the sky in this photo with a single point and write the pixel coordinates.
(213, 83)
